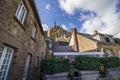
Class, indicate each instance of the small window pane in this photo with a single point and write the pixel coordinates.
(0, 73)
(18, 9)
(9, 55)
(4, 61)
(6, 67)
(7, 61)
(10, 50)
(23, 13)
(4, 73)
(3, 78)
(1, 50)
(2, 67)
(5, 55)
(7, 50)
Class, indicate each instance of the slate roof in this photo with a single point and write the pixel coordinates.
(61, 43)
(117, 40)
(63, 49)
(91, 38)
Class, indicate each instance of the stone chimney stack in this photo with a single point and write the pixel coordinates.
(94, 32)
(74, 31)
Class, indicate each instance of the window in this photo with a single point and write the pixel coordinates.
(108, 52)
(107, 39)
(33, 31)
(5, 61)
(37, 62)
(26, 67)
(21, 13)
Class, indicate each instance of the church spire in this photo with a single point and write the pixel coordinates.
(55, 23)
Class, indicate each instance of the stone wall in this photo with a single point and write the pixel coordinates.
(57, 76)
(89, 75)
(111, 46)
(114, 73)
(19, 37)
(86, 44)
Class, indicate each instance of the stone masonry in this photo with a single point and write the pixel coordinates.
(19, 37)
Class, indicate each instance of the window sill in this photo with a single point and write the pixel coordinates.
(33, 39)
(19, 22)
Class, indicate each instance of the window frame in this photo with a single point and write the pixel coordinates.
(34, 38)
(21, 13)
(37, 62)
(6, 59)
(107, 39)
(34, 31)
(26, 66)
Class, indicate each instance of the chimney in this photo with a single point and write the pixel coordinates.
(94, 32)
(74, 32)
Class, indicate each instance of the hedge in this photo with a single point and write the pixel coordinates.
(110, 62)
(51, 66)
(93, 63)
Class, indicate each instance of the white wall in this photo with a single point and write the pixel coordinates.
(72, 42)
(97, 37)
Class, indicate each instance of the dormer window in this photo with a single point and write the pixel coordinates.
(107, 39)
(21, 13)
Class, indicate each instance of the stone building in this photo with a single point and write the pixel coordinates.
(96, 42)
(22, 44)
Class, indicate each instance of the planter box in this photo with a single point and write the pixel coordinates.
(114, 72)
(89, 75)
(57, 76)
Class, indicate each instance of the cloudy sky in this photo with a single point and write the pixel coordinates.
(85, 15)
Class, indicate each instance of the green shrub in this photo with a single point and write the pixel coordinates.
(110, 62)
(92, 63)
(51, 66)
(87, 63)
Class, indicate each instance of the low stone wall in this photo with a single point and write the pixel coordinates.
(89, 75)
(114, 73)
(57, 76)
